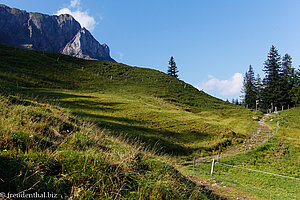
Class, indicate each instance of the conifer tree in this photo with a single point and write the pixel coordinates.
(287, 76)
(295, 91)
(249, 88)
(258, 85)
(172, 69)
(271, 83)
(236, 102)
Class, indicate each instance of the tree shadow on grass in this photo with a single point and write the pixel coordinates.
(162, 140)
(41, 94)
(105, 119)
(53, 94)
(31, 79)
(92, 105)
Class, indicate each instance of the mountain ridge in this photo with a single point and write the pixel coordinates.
(50, 33)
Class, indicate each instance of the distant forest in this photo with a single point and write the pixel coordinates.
(279, 88)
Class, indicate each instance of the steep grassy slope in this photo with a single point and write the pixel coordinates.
(51, 70)
(144, 103)
(43, 148)
(281, 155)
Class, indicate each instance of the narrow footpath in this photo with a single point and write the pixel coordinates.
(218, 190)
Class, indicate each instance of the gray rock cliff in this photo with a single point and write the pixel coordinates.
(84, 45)
(61, 34)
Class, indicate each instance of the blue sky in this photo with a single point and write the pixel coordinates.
(213, 41)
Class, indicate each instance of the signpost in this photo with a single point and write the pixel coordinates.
(257, 102)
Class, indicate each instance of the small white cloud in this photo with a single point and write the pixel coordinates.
(74, 3)
(121, 56)
(82, 17)
(223, 87)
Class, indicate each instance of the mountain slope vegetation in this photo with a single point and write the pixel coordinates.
(43, 148)
(136, 102)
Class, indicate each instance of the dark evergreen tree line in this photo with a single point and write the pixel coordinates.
(280, 86)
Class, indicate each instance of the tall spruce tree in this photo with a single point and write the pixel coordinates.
(172, 69)
(258, 86)
(295, 91)
(287, 76)
(249, 89)
(271, 83)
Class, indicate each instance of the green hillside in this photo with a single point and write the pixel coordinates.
(280, 155)
(135, 102)
(52, 70)
(43, 148)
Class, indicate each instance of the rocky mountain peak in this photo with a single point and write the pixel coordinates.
(84, 45)
(61, 34)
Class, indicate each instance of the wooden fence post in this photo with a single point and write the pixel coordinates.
(194, 162)
(212, 167)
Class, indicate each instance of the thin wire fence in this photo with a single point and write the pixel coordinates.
(252, 187)
(258, 171)
(277, 129)
(238, 176)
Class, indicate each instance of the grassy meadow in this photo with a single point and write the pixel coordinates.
(45, 148)
(137, 102)
(280, 155)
